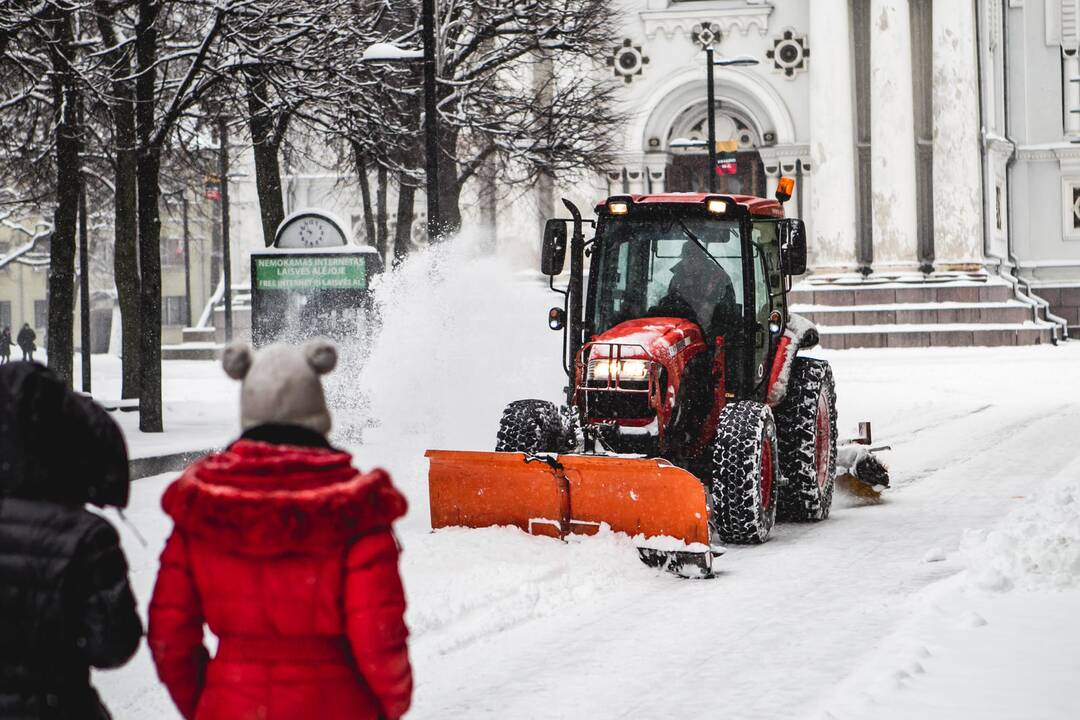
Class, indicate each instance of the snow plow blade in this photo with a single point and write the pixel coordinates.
(560, 495)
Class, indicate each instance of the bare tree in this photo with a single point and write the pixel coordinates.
(488, 108)
(116, 58)
(40, 105)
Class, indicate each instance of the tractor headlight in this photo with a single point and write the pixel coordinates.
(716, 207)
(624, 370)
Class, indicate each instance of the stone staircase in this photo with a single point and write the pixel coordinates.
(955, 309)
(198, 344)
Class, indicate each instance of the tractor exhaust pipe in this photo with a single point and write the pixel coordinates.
(574, 302)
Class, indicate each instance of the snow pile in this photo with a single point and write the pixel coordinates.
(1036, 547)
(970, 648)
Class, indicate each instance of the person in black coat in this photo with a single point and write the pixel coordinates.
(27, 339)
(65, 601)
(5, 345)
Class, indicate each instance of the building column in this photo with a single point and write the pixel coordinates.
(1070, 76)
(770, 160)
(892, 152)
(830, 209)
(635, 179)
(958, 226)
(656, 166)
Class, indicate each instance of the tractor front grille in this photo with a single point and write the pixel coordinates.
(617, 405)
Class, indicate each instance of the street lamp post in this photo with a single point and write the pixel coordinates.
(712, 117)
(710, 62)
(226, 254)
(431, 129)
(388, 52)
(187, 263)
(84, 291)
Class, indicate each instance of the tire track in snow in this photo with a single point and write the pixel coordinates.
(977, 443)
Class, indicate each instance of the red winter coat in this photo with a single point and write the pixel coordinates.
(286, 553)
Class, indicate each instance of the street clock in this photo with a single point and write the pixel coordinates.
(310, 229)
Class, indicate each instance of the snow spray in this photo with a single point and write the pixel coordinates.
(461, 334)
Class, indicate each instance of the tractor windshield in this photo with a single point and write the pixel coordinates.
(649, 266)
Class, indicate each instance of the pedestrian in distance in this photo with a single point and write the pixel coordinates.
(65, 601)
(27, 339)
(286, 552)
(5, 345)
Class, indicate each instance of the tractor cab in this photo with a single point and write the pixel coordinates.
(685, 303)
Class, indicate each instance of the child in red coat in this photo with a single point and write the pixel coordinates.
(285, 551)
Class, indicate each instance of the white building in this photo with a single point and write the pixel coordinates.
(913, 128)
(932, 144)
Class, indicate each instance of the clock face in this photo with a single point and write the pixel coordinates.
(310, 231)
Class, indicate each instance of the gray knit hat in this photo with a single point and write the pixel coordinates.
(281, 383)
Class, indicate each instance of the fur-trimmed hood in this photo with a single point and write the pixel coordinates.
(262, 499)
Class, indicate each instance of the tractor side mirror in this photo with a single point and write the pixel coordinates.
(793, 246)
(556, 318)
(553, 252)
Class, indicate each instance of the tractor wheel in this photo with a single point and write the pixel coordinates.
(806, 425)
(534, 426)
(745, 473)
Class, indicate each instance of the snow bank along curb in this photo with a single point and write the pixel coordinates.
(158, 464)
(1034, 551)
(1037, 547)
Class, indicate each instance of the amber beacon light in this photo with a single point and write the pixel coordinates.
(784, 189)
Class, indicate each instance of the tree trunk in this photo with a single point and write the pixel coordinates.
(382, 233)
(66, 100)
(125, 255)
(265, 143)
(405, 212)
(450, 186)
(489, 207)
(365, 196)
(148, 163)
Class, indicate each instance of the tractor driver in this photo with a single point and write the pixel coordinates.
(700, 290)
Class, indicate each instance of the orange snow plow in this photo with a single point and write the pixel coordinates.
(559, 495)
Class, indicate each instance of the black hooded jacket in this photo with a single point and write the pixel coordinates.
(26, 338)
(65, 601)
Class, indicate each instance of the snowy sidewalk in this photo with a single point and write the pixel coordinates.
(200, 405)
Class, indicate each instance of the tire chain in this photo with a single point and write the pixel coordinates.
(801, 499)
(534, 426)
(736, 473)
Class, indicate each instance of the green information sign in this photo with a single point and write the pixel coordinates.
(310, 272)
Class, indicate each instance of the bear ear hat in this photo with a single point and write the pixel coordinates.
(321, 356)
(237, 360)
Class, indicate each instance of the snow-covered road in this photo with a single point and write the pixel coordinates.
(786, 621)
(824, 620)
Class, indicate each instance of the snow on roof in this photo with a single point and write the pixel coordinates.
(329, 250)
(889, 307)
(930, 327)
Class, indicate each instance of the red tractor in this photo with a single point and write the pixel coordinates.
(689, 413)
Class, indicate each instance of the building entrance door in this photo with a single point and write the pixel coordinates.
(689, 170)
(690, 173)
